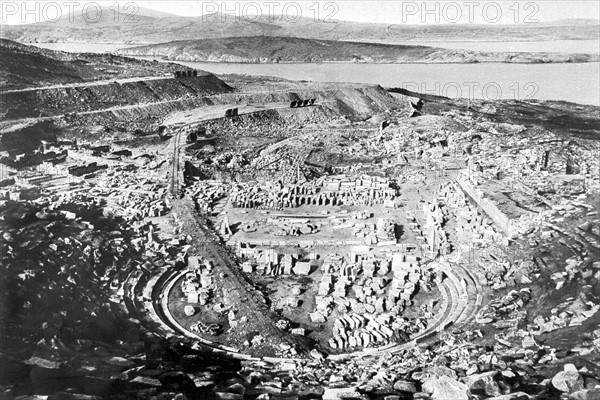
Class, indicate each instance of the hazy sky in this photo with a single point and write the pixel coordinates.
(389, 12)
(395, 11)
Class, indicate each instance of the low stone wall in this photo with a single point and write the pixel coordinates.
(487, 205)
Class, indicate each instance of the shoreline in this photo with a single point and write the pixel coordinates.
(151, 58)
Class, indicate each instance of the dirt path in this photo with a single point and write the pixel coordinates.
(88, 84)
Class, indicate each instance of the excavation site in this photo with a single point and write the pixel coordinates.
(171, 233)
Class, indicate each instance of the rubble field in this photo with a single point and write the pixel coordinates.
(222, 242)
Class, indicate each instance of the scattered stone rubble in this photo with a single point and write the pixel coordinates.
(92, 248)
(376, 291)
(328, 192)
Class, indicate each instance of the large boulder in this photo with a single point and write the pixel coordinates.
(439, 371)
(405, 386)
(568, 381)
(444, 388)
(189, 310)
(483, 384)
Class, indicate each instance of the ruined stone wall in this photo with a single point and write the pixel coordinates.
(486, 205)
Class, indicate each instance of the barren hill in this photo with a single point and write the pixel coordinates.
(273, 49)
(26, 66)
(148, 26)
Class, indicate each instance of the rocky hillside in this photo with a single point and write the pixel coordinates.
(26, 66)
(147, 26)
(59, 100)
(273, 49)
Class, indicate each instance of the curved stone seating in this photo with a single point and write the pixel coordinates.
(452, 307)
(172, 278)
(456, 288)
(148, 293)
(446, 304)
(449, 295)
(128, 288)
(140, 286)
(436, 325)
(138, 290)
(474, 299)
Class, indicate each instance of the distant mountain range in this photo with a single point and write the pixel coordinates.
(151, 27)
(273, 49)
